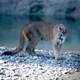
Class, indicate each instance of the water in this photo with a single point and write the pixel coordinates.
(10, 27)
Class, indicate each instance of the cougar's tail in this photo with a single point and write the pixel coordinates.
(19, 48)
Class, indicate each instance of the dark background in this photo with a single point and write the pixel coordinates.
(14, 14)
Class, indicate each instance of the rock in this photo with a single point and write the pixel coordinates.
(38, 68)
(41, 9)
(73, 76)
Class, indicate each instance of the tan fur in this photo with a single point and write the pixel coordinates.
(36, 31)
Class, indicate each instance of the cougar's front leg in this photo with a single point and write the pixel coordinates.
(57, 50)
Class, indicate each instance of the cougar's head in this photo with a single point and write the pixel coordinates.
(62, 29)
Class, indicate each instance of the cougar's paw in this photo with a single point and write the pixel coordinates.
(30, 51)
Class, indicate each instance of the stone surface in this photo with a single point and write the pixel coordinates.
(39, 67)
(57, 8)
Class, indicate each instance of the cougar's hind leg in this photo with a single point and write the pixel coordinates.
(32, 42)
(30, 50)
(31, 47)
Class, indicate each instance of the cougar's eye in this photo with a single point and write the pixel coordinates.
(60, 28)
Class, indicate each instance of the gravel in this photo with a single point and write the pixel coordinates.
(38, 67)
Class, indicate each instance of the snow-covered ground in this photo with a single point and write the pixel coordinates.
(39, 67)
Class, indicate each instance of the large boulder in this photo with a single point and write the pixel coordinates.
(41, 9)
